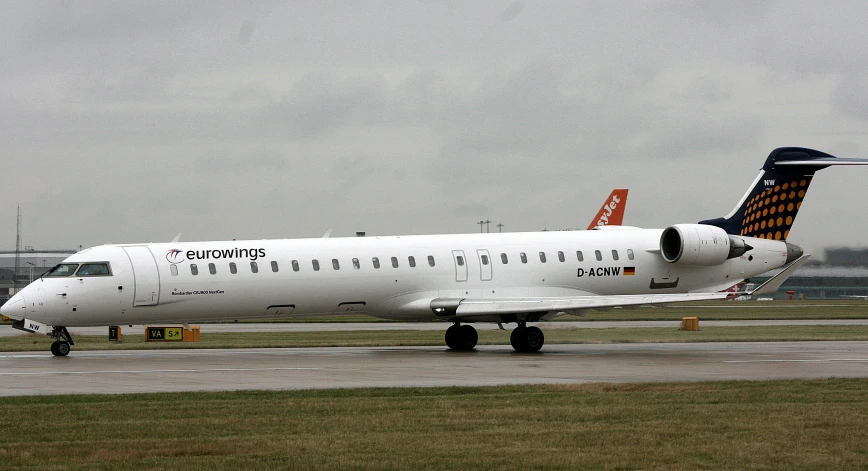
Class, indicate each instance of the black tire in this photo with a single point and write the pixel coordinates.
(534, 339)
(518, 339)
(62, 349)
(453, 337)
(469, 337)
(54, 347)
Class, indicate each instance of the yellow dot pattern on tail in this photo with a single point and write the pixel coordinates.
(770, 214)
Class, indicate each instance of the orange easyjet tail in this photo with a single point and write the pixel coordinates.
(612, 212)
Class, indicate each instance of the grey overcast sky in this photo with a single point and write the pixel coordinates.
(133, 121)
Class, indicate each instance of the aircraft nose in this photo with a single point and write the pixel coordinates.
(14, 307)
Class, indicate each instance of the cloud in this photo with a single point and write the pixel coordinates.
(282, 119)
(511, 12)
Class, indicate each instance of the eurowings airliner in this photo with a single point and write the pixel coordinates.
(461, 279)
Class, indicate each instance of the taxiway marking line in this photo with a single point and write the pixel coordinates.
(827, 360)
(45, 373)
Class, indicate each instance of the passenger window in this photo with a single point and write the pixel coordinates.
(580, 256)
(630, 254)
(356, 264)
(194, 270)
(274, 266)
(542, 257)
(430, 260)
(173, 269)
(614, 255)
(394, 262)
(232, 268)
(295, 266)
(599, 255)
(254, 267)
(336, 264)
(315, 264)
(212, 268)
(460, 260)
(376, 262)
(503, 259)
(561, 256)
(93, 269)
(412, 261)
(523, 257)
(484, 259)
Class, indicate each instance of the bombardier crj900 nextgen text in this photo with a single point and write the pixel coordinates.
(505, 278)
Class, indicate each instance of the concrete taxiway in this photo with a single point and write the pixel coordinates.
(85, 372)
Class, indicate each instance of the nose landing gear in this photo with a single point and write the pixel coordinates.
(60, 347)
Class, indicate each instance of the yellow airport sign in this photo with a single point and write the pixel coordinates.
(171, 334)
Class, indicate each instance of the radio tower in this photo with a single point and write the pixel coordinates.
(17, 251)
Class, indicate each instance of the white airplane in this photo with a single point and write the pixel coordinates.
(464, 278)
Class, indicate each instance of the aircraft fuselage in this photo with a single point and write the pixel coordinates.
(256, 279)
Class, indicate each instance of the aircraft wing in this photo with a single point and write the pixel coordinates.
(482, 307)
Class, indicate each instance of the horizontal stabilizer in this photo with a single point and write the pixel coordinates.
(823, 162)
(772, 284)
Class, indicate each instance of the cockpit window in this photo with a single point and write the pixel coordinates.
(93, 269)
(63, 269)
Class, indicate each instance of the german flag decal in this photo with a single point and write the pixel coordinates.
(629, 271)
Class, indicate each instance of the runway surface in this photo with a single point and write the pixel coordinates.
(39, 373)
(8, 331)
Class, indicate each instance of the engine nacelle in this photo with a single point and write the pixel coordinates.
(699, 245)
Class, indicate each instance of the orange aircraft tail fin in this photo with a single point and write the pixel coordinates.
(612, 212)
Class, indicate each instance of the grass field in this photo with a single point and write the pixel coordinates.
(418, 337)
(818, 424)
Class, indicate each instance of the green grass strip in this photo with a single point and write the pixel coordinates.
(816, 424)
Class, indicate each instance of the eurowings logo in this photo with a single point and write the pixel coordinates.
(175, 256)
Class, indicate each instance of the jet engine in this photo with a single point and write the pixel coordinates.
(700, 245)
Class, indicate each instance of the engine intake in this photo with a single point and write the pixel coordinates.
(700, 245)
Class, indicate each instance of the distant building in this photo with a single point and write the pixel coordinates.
(31, 265)
(847, 257)
(843, 275)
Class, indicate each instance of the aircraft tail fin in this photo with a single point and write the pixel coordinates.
(612, 211)
(769, 208)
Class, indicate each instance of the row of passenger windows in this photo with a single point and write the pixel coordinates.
(411, 260)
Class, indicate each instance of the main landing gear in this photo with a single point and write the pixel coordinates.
(60, 347)
(461, 337)
(526, 339)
